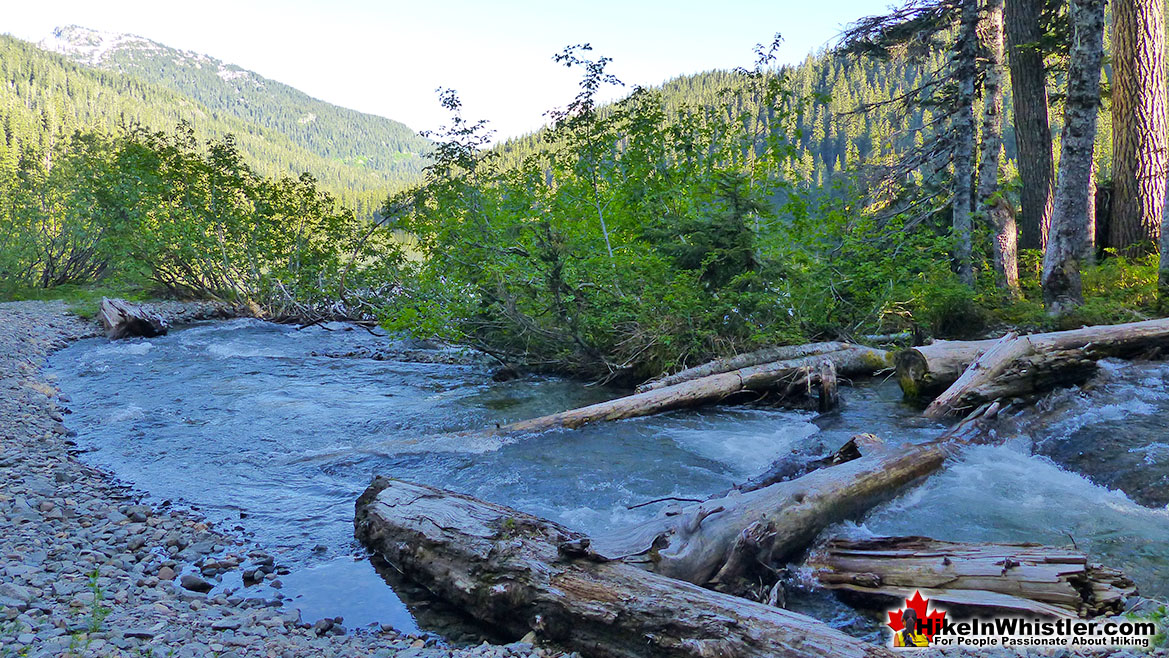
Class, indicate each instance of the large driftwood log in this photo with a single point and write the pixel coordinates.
(729, 542)
(1047, 361)
(989, 365)
(927, 370)
(521, 573)
(1027, 578)
(122, 319)
(786, 376)
(740, 361)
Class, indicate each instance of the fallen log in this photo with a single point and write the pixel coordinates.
(520, 573)
(799, 465)
(793, 375)
(122, 319)
(989, 365)
(927, 370)
(1049, 360)
(1018, 578)
(740, 361)
(729, 543)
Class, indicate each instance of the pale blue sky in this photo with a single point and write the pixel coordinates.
(387, 57)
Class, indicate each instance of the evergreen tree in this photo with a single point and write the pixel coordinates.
(1069, 233)
(1139, 143)
(1032, 127)
(991, 205)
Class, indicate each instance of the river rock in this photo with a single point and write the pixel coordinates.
(195, 583)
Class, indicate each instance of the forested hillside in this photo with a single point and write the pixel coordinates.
(876, 188)
(45, 96)
(824, 110)
(339, 134)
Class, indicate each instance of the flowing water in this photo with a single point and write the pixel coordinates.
(242, 420)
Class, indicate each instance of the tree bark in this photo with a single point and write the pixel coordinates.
(740, 361)
(988, 366)
(521, 573)
(1015, 578)
(729, 543)
(963, 126)
(793, 375)
(122, 319)
(1139, 143)
(927, 370)
(1027, 365)
(1068, 234)
(1032, 127)
(991, 203)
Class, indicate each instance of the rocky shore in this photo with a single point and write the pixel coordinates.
(88, 570)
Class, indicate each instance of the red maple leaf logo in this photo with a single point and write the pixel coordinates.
(931, 622)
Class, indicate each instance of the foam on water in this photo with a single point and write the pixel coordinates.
(1003, 493)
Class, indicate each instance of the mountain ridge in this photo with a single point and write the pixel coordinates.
(341, 134)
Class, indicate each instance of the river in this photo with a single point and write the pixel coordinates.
(240, 420)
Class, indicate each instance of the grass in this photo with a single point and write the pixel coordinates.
(1117, 290)
(82, 300)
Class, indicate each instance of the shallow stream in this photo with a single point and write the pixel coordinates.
(242, 420)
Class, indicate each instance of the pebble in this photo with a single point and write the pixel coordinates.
(81, 551)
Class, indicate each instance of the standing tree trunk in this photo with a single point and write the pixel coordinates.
(963, 123)
(1073, 193)
(1032, 129)
(990, 202)
(1138, 124)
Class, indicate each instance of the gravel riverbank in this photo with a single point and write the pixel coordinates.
(88, 570)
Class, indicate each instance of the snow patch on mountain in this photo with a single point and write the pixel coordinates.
(91, 46)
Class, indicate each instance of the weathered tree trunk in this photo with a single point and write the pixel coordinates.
(122, 319)
(1026, 365)
(1018, 578)
(1032, 127)
(988, 366)
(794, 466)
(963, 124)
(785, 376)
(1163, 249)
(740, 361)
(1069, 222)
(729, 543)
(1139, 144)
(521, 573)
(927, 370)
(1004, 245)
(829, 393)
(991, 204)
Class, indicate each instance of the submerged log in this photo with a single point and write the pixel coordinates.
(740, 361)
(729, 543)
(794, 466)
(521, 573)
(1019, 578)
(1041, 361)
(785, 376)
(122, 319)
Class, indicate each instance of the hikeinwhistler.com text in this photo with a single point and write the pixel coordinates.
(1024, 632)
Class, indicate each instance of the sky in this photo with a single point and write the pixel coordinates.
(388, 57)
